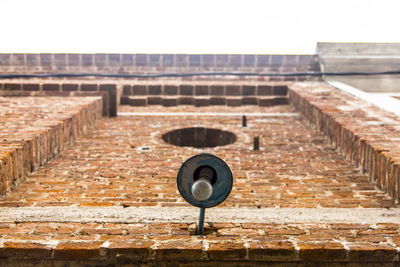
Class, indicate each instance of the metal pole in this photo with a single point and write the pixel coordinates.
(200, 230)
(256, 143)
(244, 121)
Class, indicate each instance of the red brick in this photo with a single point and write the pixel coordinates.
(235, 60)
(89, 87)
(201, 90)
(69, 87)
(266, 102)
(322, 252)
(186, 101)
(100, 231)
(217, 101)
(265, 90)
(30, 87)
(277, 60)
(186, 89)
(12, 86)
(130, 250)
(135, 101)
(170, 89)
(77, 250)
(87, 60)
(124, 100)
(169, 102)
(179, 250)
(154, 89)
(127, 60)
(50, 87)
(100, 60)
(280, 101)
(139, 90)
(201, 102)
(249, 90)
(114, 60)
(280, 90)
(60, 61)
(141, 59)
(249, 101)
(194, 60)
(154, 100)
(249, 60)
(46, 60)
(234, 102)
(222, 60)
(154, 60)
(372, 253)
(217, 90)
(168, 60)
(238, 232)
(25, 250)
(272, 251)
(233, 90)
(208, 60)
(224, 251)
(263, 60)
(126, 90)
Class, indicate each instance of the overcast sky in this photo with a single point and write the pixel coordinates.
(207, 26)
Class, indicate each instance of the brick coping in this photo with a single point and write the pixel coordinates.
(29, 139)
(364, 133)
(188, 214)
(232, 243)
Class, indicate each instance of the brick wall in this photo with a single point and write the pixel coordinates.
(40, 87)
(134, 63)
(35, 130)
(365, 134)
(174, 93)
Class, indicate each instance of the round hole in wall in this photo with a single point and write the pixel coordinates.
(199, 137)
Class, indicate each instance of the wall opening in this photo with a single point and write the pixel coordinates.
(199, 137)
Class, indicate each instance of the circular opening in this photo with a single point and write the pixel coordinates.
(199, 137)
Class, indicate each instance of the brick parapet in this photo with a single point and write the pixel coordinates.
(243, 244)
(156, 63)
(204, 94)
(104, 96)
(31, 135)
(365, 134)
(49, 87)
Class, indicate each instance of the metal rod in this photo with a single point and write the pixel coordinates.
(244, 121)
(200, 230)
(256, 143)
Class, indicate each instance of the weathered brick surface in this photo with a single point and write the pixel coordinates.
(43, 87)
(104, 96)
(307, 173)
(124, 162)
(138, 244)
(156, 63)
(365, 134)
(35, 129)
(200, 94)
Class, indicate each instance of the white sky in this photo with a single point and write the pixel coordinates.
(207, 26)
